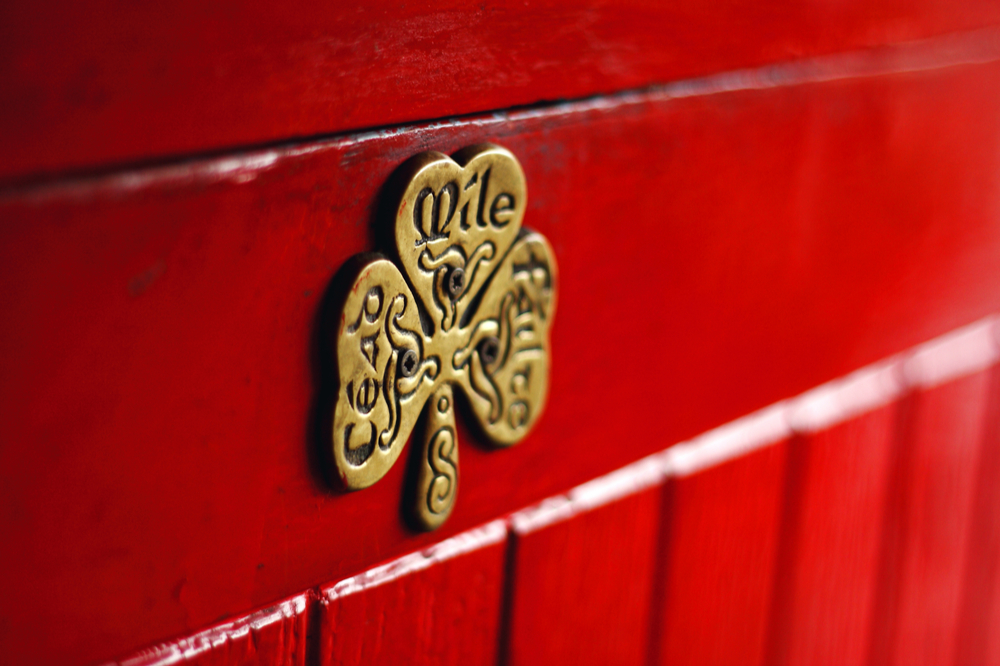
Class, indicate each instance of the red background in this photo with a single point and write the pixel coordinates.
(718, 251)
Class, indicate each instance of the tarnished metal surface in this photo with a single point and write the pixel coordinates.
(472, 307)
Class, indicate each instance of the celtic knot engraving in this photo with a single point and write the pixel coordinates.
(471, 308)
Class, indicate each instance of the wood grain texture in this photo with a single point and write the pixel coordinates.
(107, 83)
(161, 382)
(930, 528)
(581, 587)
(443, 611)
(277, 635)
(848, 441)
(837, 486)
(723, 527)
(979, 622)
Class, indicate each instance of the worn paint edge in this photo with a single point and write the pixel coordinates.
(603, 490)
(973, 47)
(471, 540)
(954, 355)
(183, 650)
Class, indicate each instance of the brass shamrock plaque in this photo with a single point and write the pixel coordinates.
(471, 307)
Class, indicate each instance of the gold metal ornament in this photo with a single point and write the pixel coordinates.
(485, 298)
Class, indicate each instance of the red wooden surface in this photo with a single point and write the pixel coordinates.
(816, 589)
(435, 607)
(828, 572)
(581, 587)
(723, 526)
(93, 85)
(979, 620)
(160, 468)
(932, 523)
(273, 636)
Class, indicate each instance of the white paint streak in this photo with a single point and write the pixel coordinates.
(626, 481)
(549, 511)
(756, 430)
(954, 50)
(956, 354)
(239, 168)
(967, 48)
(970, 48)
(188, 648)
(471, 540)
(621, 483)
(841, 399)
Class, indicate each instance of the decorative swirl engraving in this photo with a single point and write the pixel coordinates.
(384, 367)
(437, 477)
(504, 362)
(455, 218)
(488, 288)
(442, 448)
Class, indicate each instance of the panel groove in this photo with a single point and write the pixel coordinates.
(509, 590)
(205, 290)
(798, 421)
(789, 534)
(979, 625)
(893, 536)
(660, 589)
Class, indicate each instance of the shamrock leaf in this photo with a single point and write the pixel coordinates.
(472, 308)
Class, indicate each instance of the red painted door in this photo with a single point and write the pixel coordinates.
(773, 424)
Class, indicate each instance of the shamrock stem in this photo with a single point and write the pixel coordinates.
(437, 476)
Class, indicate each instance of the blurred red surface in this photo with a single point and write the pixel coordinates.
(437, 607)
(723, 527)
(103, 83)
(723, 244)
(931, 523)
(581, 588)
(827, 582)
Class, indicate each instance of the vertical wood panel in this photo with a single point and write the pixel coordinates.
(930, 525)
(979, 629)
(721, 535)
(827, 581)
(581, 586)
(438, 606)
